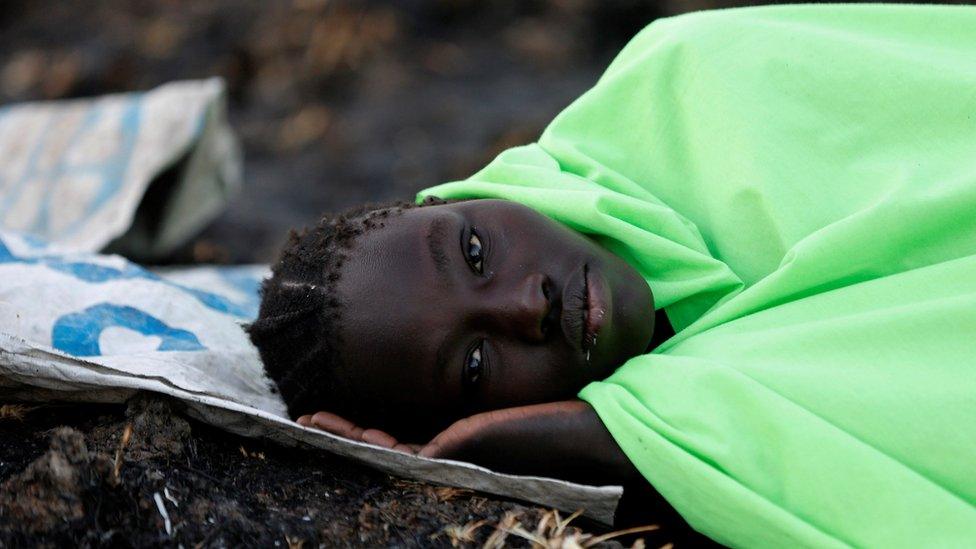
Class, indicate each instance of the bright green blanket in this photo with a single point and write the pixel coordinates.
(798, 186)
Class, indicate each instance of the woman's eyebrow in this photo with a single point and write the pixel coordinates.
(436, 233)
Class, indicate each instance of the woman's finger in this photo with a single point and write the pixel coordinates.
(336, 425)
(444, 446)
(411, 449)
(378, 438)
(449, 443)
(432, 451)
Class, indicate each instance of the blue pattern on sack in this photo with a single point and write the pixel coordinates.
(95, 273)
(243, 280)
(78, 333)
(109, 171)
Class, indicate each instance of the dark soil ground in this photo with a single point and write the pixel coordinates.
(71, 476)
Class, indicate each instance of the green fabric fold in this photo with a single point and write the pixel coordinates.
(797, 184)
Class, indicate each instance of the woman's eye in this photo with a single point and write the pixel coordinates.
(473, 367)
(475, 253)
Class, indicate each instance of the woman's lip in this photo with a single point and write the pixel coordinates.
(598, 305)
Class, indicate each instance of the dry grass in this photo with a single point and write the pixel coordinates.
(256, 455)
(551, 532)
(447, 493)
(123, 442)
(497, 538)
(14, 412)
(463, 534)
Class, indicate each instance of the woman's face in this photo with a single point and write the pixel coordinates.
(463, 307)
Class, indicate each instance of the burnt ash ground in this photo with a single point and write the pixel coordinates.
(69, 476)
(336, 103)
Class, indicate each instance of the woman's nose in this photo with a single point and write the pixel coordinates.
(524, 312)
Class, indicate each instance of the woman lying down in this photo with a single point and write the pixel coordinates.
(792, 189)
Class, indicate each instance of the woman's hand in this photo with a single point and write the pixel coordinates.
(344, 428)
(563, 439)
(559, 439)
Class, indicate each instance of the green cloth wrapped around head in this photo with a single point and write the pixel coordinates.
(797, 184)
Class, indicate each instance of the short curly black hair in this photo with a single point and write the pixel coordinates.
(297, 329)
